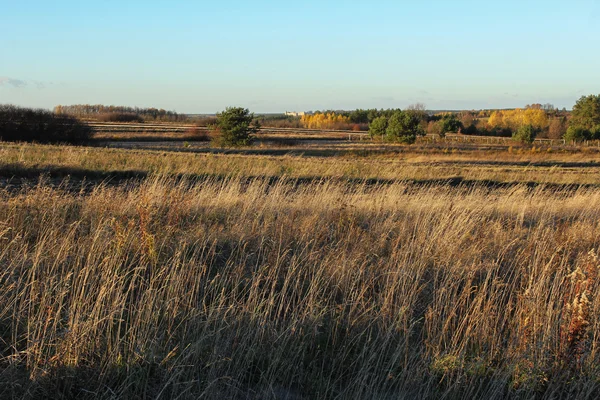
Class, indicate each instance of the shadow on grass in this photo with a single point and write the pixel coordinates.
(15, 176)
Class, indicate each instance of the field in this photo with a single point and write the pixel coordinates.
(304, 267)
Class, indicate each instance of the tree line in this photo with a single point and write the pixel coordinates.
(119, 113)
(522, 124)
(236, 125)
(43, 126)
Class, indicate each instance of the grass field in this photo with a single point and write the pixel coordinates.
(430, 271)
(424, 163)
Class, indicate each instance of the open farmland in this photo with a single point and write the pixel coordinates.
(323, 268)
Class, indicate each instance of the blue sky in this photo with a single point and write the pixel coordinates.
(199, 57)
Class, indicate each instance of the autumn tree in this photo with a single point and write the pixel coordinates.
(235, 127)
(324, 120)
(557, 128)
(514, 119)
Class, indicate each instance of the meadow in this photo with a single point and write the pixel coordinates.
(272, 272)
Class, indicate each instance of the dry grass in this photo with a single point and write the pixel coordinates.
(229, 289)
(516, 166)
(205, 278)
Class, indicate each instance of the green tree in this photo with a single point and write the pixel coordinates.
(378, 126)
(419, 110)
(449, 123)
(235, 127)
(576, 134)
(359, 116)
(404, 127)
(586, 112)
(525, 134)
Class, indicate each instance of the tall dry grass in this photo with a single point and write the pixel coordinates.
(561, 169)
(230, 289)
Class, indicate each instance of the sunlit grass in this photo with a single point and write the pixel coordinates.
(231, 289)
(559, 168)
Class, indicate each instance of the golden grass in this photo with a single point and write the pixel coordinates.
(234, 289)
(559, 168)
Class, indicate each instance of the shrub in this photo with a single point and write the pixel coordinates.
(205, 120)
(525, 134)
(433, 128)
(235, 127)
(196, 133)
(576, 134)
(43, 126)
(404, 127)
(449, 123)
(378, 126)
(470, 129)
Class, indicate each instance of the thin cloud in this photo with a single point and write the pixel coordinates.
(16, 83)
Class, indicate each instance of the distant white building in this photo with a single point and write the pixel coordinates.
(295, 113)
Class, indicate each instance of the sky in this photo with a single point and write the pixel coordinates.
(275, 56)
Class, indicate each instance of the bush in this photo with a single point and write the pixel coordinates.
(449, 123)
(120, 117)
(576, 134)
(378, 126)
(525, 134)
(235, 127)
(404, 127)
(42, 126)
(196, 133)
(470, 129)
(433, 128)
(206, 121)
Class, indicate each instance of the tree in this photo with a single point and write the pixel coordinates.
(586, 112)
(557, 128)
(324, 120)
(576, 134)
(359, 116)
(514, 119)
(525, 134)
(42, 126)
(419, 109)
(449, 123)
(378, 126)
(235, 127)
(404, 127)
